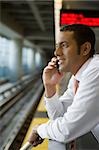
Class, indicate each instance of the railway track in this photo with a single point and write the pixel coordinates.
(16, 113)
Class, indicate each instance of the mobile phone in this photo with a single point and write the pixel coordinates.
(57, 65)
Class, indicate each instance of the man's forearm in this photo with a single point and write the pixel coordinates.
(50, 91)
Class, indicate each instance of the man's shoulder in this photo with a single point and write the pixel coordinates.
(92, 70)
(95, 58)
(94, 64)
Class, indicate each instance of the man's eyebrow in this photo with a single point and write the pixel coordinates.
(62, 42)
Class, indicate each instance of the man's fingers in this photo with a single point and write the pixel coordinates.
(49, 68)
(32, 137)
(37, 142)
(53, 59)
(51, 63)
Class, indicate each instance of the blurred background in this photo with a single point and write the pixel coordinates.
(28, 33)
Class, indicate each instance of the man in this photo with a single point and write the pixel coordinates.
(75, 113)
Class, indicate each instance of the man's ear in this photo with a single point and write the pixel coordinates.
(85, 48)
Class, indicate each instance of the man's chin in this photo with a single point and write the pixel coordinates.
(63, 70)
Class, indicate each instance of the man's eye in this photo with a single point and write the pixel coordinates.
(64, 45)
(61, 45)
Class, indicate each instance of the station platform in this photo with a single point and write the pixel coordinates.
(39, 118)
(86, 142)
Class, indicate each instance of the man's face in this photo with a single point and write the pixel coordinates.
(67, 52)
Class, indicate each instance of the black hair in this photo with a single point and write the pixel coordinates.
(82, 34)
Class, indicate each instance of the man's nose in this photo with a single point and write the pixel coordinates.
(58, 51)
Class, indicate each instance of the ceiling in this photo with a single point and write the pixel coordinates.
(33, 20)
(81, 4)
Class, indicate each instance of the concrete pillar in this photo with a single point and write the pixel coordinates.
(44, 60)
(34, 61)
(15, 62)
(30, 60)
(38, 62)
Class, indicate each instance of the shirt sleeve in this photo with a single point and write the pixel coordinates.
(56, 106)
(80, 117)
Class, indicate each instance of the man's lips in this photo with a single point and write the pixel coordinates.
(60, 61)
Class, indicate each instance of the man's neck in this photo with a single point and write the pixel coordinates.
(79, 65)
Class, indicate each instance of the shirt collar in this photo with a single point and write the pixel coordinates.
(80, 71)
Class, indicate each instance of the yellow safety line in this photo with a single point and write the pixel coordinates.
(41, 106)
(35, 121)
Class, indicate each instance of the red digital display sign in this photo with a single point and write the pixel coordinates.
(90, 18)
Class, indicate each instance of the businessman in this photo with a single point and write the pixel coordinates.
(76, 112)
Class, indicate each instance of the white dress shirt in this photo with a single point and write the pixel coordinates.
(73, 115)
